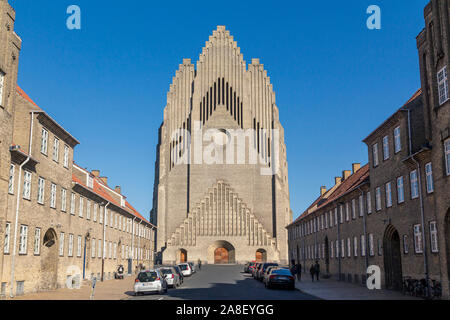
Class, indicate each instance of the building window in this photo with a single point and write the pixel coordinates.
(400, 190)
(332, 249)
(342, 248)
(93, 244)
(80, 209)
(369, 203)
(88, 209)
(99, 251)
(53, 196)
(378, 199)
(44, 141)
(2, 82)
(7, 238)
(371, 247)
(61, 244)
(380, 247)
(388, 195)
(414, 184)
(100, 217)
(418, 239)
(349, 248)
(433, 237)
(405, 244)
(110, 250)
(23, 239)
(375, 154)
(347, 211)
(115, 250)
(443, 85)
(429, 175)
(447, 156)
(70, 251)
(363, 246)
(41, 190)
(66, 156)
(386, 148)
(79, 242)
(90, 182)
(27, 185)
(354, 209)
(37, 241)
(355, 246)
(56, 150)
(397, 140)
(72, 204)
(361, 205)
(63, 200)
(95, 212)
(11, 179)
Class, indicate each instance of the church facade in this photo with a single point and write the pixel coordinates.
(221, 190)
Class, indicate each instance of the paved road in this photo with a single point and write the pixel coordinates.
(224, 282)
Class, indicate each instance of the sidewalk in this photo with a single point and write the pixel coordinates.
(108, 290)
(329, 289)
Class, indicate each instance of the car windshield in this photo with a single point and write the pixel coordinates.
(166, 271)
(283, 272)
(147, 276)
(183, 266)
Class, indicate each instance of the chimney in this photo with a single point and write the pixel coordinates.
(104, 179)
(323, 189)
(346, 174)
(356, 167)
(118, 189)
(96, 173)
(337, 180)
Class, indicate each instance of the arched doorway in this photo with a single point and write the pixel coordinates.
(261, 255)
(392, 259)
(221, 252)
(183, 256)
(49, 261)
(221, 256)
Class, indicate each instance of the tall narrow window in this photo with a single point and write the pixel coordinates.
(342, 248)
(100, 216)
(375, 154)
(347, 211)
(81, 207)
(386, 148)
(363, 246)
(349, 248)
(44, 141)
(56, 150)
(433, 237)
(405, 244)
(447, 156)
(369, 203)
(400, 190)
(53, 196)
(88, 209)
(353, 208)
(443, 85)
(23, 239)
(361, 205)
(429, 175)
(378, 199)
(70, 251)
(2, 82)
(397, 140)
(37, 241)
(27, 185)
(93, 244)
(79, 244)
(66, 156)
(95, 212)
(380, 247)
(414, 184)
(63, 200)
(72, 204)
(7, 238)
(418, 238)
(388, 195)
(355, 246)
(41, 189)
(11, 179)
(371, 245)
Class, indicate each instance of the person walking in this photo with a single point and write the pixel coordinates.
(317, 270)
(299, 271)
(312, 270)
(293, 269)
(199, 264)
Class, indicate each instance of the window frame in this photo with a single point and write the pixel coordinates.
(429, 177)
(44, 141)
(12, 170)
(378, 201)
(27, 180)
(37, 241)
(41, 191)
(388, 189)
(443, 96)
(7, 238)
(66, 156)
(56, 149)
(397, 140)
(417, 231)
(63, 200)
(386, 151)
(375, 156)
(434, 244)
(23, 239)
(414, 184)
(402, 188)
(53, 195)
(2, 86)
(405, 244)
(447, 155)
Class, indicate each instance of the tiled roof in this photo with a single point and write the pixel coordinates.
(24, 95)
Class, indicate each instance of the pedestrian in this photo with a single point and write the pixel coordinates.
(317, 270)
(293, 269)
(299, 271)
(312, 270)
(199, 264)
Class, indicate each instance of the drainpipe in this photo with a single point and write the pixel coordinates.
(422, 213)
(104, 241)
(16, 222)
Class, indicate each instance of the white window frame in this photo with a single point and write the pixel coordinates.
(447, 155)
(88, 209)
(429, 177)
(56, 149)
(388, 195)
(79, 245)
(66, 156)
(90, 182)
(342, 248)
(72, 203)
(386, 153)
(93, 244)
(442, 79)
(23, 239)
(100, 216)
(361, 205)
(369, 202)
(37, 241)
(363, 245)
(414, 184)
(53, 196)
(354, 208)
(70, 250)
(41, 190)
(434, 237)
(27, 185)
(376, 160)
(405, 244)
(81, 207)
(355, 246)
(63, 200)
(397, 140)
(6, 243)
(378, 199)
(418, 243)
(61, 244)
(371, 245)
(44, 141)
(2, 84)
(349, 247)
(400, 190)
(95, 212)
(12, 169)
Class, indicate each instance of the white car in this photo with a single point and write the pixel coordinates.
(171, 276)
(150, 281)
(186, 269)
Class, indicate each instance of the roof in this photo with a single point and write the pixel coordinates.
(99, 189)
(348, 185)
(24, 95)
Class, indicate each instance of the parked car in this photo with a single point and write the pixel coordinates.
(150, 281)
(256, 269)
(248, 265)
(186, 269)
(262, 270)
(280, 278)
(180, 274)
(251, 267)
(192, 267)
(171, 276)
(266, 274)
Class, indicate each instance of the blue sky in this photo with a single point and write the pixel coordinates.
(335, 80)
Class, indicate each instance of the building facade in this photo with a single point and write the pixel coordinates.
(58, 221)
(212, 202)
(404, 227)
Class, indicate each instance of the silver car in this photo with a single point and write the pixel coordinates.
(150, 281)
(186, 269)
(171, 276)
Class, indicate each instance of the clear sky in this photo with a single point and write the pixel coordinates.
(335, 80)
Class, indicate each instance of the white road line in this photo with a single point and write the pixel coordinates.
(160, 298)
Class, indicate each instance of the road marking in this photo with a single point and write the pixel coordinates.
(160, 298)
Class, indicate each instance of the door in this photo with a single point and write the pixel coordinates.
(183, 256)
(220, 256)
(392, 259)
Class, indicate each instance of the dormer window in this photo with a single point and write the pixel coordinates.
(90, 182)
(122, 202)
(443, 85)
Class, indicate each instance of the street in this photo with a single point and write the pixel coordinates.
(223, 282)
